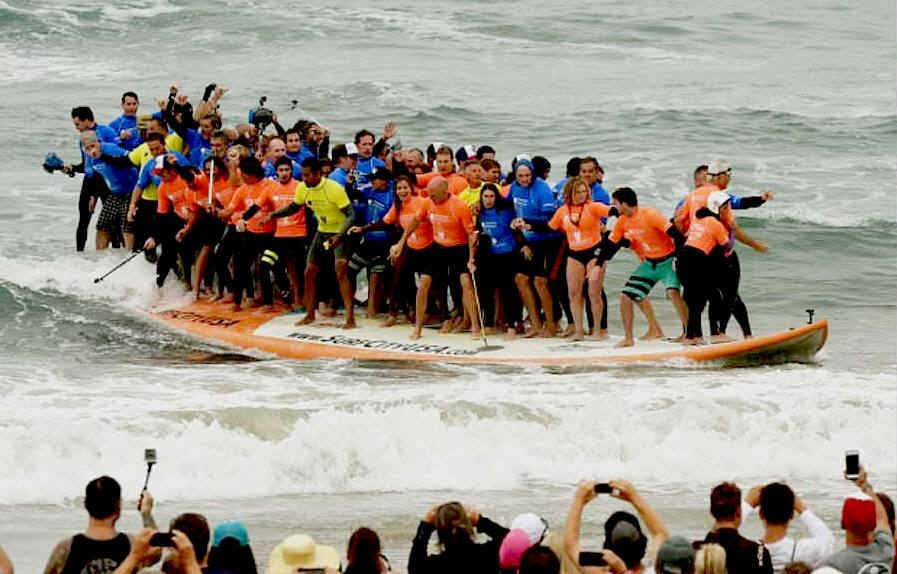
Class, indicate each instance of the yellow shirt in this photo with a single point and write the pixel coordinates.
(326, 200)
(140, 155)
(471, 195)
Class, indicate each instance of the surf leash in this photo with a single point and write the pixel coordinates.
(119, 266)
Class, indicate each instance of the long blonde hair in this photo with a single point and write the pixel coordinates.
(710, 559)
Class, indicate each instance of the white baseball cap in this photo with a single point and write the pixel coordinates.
(536, 528)
(351, 149)
(718, 166)
(716, 200)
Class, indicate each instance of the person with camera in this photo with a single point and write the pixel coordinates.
(181, 561)
(743, 556)
(626, 548)
(455, 527)
(867, 534)
(101, 548)
(778, 505)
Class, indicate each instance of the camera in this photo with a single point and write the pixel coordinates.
(603, 488)
(149, 456)
(852, 464)
(261, 116)
(592, 559)
(162, 539)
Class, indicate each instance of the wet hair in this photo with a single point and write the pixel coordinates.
(283, 160)
(625, 195)
(220, 165)
(590, 159)
(700, 168)
(453, 526)
(445, 150)
(710, 559)
(725, 501)
(219, 134)
(102, 497)
(229, 556)
(570, 188)
(250, 165)
(293, 131)
(541, 166)
(196, 528)
(360, 134)
(155, 137)
(796, 567)
(396, 200)
(539, 559)
(363, 552)
(312, 163)
(889, 509)
(483, 150)
(500, 202)
(776, 503)
(83, 113)
(573, 166)
(469, 162)
(489, 164)
(338, 152)
(162, 125)
(129, 95)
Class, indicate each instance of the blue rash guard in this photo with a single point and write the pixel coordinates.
(600, 194)
(340, 176)
(198, 145)
(146, 177)
(535, 204)
(126, 123)
(378, 204)
(559, 189)
(271, 171)
(366, 167)
(106, 135)
(496, 223)
(119, 180)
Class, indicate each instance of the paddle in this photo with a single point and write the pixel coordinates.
(211, 179)
(117, 267)
(476, 296)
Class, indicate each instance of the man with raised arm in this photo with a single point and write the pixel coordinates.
(333, 210)
(626, 549)
(101, 548)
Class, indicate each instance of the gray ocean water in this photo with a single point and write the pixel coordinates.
(799, 96)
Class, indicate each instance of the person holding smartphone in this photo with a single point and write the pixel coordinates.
(866, 532)
(626, 548)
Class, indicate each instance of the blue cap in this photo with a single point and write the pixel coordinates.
(231, 529)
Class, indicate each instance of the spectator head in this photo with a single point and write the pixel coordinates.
(515, 543)
(363, 552)
(541, 166)
(889, 509)
(725, 503)
(534, 525)
(573, 166)
(623, 535)
(798, 567)
(453, 525)
(858, 516)
(196, 528)
(485, 152)
(230, 551)
(102, 498)
(710, 559)
(539, 560)
(301, 552)
(675, 556)
(776, 503)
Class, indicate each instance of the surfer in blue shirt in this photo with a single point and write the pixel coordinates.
(276, 150)
(125, 125)
(367, 164)
(535, 204)
(112, 164)
(372, 251)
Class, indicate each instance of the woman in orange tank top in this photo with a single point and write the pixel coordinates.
(580, 219)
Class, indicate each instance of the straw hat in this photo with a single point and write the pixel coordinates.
(301, 551)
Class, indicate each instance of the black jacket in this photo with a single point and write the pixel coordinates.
(743, 556)
(471, 558)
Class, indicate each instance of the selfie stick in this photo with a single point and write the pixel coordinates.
(149, 469)
(117, 267)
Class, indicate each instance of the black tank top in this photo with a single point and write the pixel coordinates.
(89, 556)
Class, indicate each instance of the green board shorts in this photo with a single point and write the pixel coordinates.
(647, 274)
(318, 254)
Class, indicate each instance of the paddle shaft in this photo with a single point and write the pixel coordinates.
(211, 179)
(476, 298)
(117, 267)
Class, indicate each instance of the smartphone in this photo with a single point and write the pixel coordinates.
(161, 539)
(852, 464)
(149, 455)
(603, 488)
(592, 559)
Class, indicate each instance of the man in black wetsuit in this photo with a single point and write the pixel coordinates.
(101, 548)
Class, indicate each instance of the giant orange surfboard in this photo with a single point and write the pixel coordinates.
(276, 332)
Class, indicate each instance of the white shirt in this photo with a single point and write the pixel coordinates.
(813, 550)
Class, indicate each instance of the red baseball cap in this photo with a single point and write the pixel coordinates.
(858, 515)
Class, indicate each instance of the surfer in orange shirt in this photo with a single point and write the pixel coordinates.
(650, 235)
(453, 256)
(445, 168)
(580, 219)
